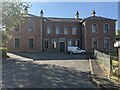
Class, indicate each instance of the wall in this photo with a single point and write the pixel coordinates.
(100, 34)
(24, 34)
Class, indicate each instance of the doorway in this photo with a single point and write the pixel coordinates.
(62, 46)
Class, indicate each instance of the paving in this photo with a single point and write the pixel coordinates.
(52, 56)
(23, 72)
(100, 78)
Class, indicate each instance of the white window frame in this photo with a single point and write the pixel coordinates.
(66, 30)
(33, 26)
(76, 42)
(93, 43)
(58, 30)
(74, 30)
(94, 31)
(19, 42)
(104, 28)
(105, 44)
(49, 30)
(54, 41)
(69, 42)
(33, 42)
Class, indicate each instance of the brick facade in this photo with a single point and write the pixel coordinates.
(79, 33)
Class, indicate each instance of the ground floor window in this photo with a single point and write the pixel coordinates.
(31, 42)
(54, 42)
(73, 42)
(77, 42)
(106, 43)
(46, 43)
(94, 42)
(69, 42)
(17, 43)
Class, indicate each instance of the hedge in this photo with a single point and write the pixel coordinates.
(3, 51)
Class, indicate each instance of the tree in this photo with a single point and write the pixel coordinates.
(5, 38)
(12, 15)
(118, 32)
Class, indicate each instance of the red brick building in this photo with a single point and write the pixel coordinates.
(39, 33)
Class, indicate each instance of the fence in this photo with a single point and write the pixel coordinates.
(104, 60)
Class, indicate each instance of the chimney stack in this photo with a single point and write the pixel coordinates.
(77, 15)
(93, 13)
(41, 13)
(25, 10)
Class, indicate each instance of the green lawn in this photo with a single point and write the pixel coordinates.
(115, 63)
(115, 77)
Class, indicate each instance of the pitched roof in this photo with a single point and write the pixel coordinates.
(98, 18)
(62, 19)
(30, 15)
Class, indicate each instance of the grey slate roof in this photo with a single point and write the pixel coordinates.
(62, 19)
(98, 18)
(30, 15)
(54, 19)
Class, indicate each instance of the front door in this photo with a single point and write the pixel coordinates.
(62, 46)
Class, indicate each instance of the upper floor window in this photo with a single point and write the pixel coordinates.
(17, 28)
(58, 30)
(66, 30)
(31, 26)
(94, 28)
(106, 28)
(17, 42)
(49, 29)
(74, 30)
(94, 42)
(106, 43)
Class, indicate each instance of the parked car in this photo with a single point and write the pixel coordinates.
(74, 49)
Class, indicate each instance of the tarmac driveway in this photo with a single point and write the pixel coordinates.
(53, 56)
(45, 73)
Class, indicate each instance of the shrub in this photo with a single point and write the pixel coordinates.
(3, 51)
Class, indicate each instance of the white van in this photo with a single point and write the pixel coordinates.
(74, 49)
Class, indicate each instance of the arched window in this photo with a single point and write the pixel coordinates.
(106, 28)
(31, 26)
(94, 28)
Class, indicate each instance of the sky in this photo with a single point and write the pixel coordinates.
(68, 9)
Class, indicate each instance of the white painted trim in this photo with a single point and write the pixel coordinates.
(75, 30)
(33, 42)
(96, 27)
(29, 21)
(92, 42)
(109, 42)
(19, 42)
(67, 30)
(108, 28)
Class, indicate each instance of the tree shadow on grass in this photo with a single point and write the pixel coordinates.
(17, 74)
